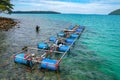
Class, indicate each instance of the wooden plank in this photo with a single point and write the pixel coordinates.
(44, 50)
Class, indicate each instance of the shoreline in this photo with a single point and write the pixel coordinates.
(7, 23)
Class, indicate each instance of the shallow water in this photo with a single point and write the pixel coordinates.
(95, 55)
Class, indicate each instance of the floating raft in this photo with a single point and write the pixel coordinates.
(69, 35)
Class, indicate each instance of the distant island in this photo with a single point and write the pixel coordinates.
(115, 12)
(37, 12)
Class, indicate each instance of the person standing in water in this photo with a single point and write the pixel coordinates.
(37, 28)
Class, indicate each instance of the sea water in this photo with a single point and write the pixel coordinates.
(95, 56)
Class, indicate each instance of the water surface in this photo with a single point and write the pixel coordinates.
(95, 55)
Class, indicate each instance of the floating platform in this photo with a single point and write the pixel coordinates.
(69, 36)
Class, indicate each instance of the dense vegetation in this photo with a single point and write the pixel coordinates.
(5, 6)
(116, 12)
(39, 12)
(6, 23)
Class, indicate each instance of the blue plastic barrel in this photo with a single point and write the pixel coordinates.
(74, 35)
(61, 34)
(63, 48)
(43, 45)
(49, 64)
(71, 27)
(81, 27)
(69, 40)
(19, 58)
(53, 39)
(78, 30)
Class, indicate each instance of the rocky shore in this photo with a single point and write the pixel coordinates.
(7, 23)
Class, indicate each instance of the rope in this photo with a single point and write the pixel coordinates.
(56, 65)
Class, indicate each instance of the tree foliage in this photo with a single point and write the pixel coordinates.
(5, 6)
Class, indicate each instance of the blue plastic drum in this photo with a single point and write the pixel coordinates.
(43, 45)
(71, 27)
(69, 40)
(79, 30)
(61, 34)
(63, 48)
(81, 27)
(49, 64)
(74, 35)
(19, 58)
(53, 39)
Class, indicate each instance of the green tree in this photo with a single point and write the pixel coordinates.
(5, 6)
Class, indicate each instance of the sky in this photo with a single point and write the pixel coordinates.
(68, 6)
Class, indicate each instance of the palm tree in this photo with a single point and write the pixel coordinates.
(5, 6)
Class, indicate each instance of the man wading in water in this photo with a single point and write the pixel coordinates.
(37, 28)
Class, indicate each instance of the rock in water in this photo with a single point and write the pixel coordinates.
(7, 23)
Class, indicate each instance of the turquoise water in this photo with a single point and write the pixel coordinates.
(95, 56)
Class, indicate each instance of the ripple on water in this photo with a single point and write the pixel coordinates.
(91, 58)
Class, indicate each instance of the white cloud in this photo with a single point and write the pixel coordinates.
(95, 7)
(106, 1)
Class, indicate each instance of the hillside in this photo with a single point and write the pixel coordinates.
(37, 12)
(115, 12)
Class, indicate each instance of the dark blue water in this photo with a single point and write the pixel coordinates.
(95, 55)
